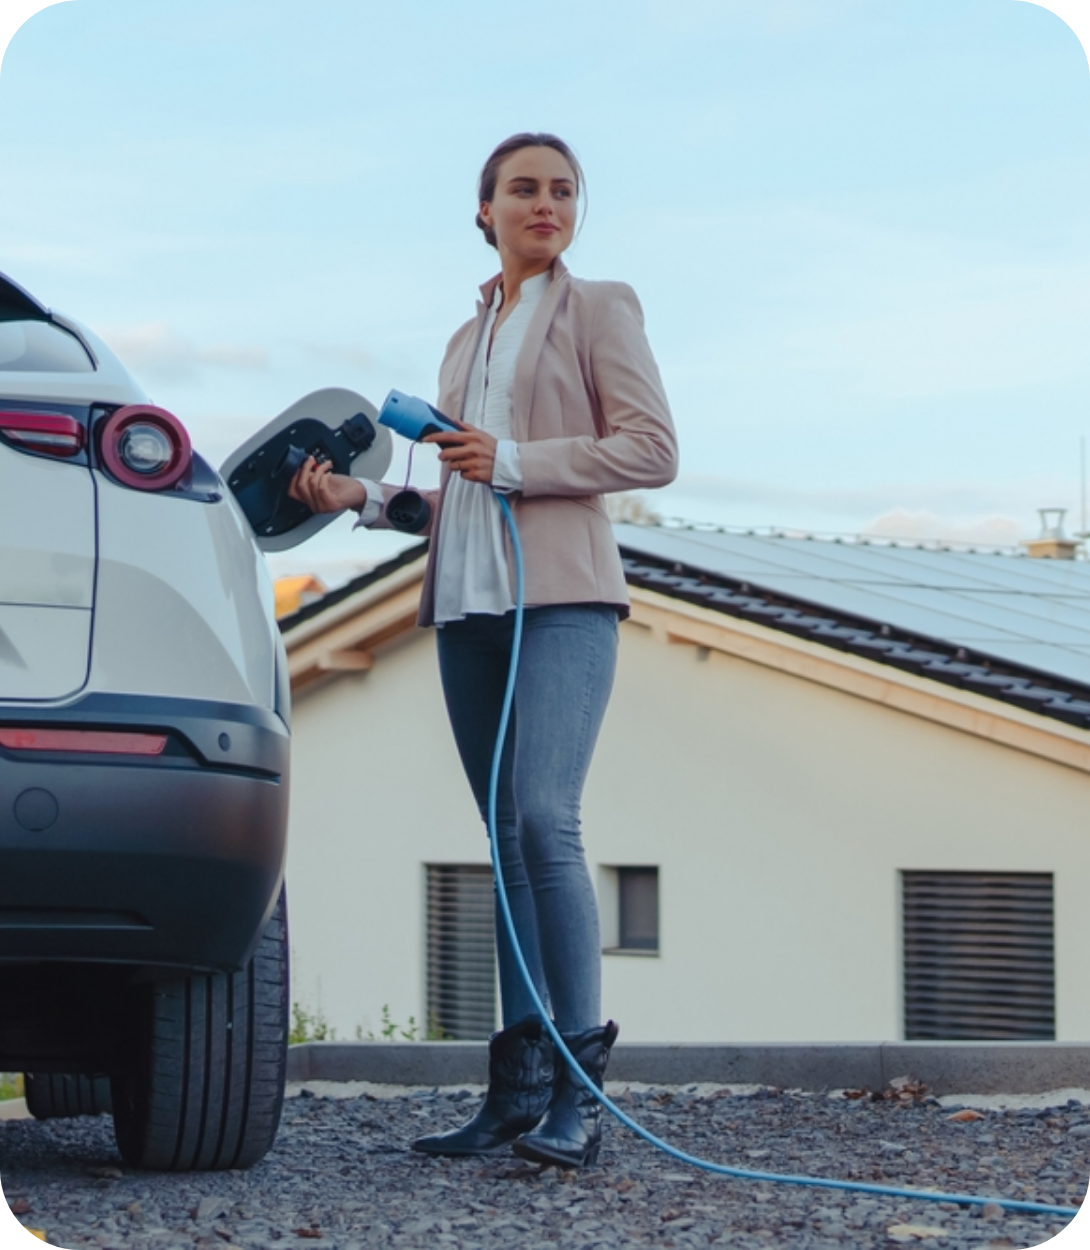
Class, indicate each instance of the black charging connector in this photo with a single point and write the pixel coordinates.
(408, 511)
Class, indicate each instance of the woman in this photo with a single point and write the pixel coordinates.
(559, 401)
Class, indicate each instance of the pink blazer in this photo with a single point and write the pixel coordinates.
(589, 415)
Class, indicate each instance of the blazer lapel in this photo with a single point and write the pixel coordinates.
(461, 367)
(522, 390)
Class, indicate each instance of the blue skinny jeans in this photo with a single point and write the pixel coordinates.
(568, 658)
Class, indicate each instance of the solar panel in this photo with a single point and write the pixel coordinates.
(1029, 611)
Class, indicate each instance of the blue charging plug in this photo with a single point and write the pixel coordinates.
(412, 418)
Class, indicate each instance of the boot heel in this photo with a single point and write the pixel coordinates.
(570, 1134)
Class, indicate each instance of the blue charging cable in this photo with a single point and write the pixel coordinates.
(817, 1182)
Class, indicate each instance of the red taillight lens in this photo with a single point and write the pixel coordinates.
(145, 447)
(87, 741)
(53, 433)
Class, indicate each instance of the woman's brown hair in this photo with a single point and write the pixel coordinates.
(486, 187)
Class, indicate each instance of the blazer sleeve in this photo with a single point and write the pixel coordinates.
(639, 446)
(382, 522)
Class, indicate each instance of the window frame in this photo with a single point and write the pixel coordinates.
(611, 899)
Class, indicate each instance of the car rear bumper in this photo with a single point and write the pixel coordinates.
(168, 861)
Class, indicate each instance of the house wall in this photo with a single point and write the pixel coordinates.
(778, 811)
(377, 793)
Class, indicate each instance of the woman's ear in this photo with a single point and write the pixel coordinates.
(486, 213)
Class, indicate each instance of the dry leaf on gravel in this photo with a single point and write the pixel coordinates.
(904, 1089)
(963, 1117)
(20, 1206)
(914, 1232)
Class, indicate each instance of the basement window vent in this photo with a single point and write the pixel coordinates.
(461, 952)
(978, 956)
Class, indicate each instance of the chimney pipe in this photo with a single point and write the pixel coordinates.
(1052, 544)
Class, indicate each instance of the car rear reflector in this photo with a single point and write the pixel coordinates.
(87, 741)
(53, 433)
(145, 447)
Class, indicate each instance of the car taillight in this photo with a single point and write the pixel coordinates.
(145, 447)
(88, 741)
(53, 433)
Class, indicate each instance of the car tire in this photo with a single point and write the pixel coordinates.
(205, 1086)
(61, 1095)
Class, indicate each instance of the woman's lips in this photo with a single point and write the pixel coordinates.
(544, 228)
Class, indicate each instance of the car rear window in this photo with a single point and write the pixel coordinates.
(41, 347)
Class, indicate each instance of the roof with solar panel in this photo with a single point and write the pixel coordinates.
(999, 623)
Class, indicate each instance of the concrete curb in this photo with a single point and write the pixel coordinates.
(14, 1109)
(946, 1067)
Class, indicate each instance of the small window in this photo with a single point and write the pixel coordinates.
(629, 901)
(978, 956)
(461, 952)
(41, 347)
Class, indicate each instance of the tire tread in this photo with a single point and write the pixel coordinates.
(208, 1092)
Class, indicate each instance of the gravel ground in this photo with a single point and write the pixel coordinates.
(340, 1176)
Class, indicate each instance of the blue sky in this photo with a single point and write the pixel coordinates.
(858, 229)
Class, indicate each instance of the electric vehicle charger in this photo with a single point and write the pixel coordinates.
(415, 419)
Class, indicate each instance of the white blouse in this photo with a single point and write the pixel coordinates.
(472, 573)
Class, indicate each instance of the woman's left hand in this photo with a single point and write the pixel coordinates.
(470, 452)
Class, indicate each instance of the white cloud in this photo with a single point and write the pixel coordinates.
(155, 350)
(991, 531)
(979, 513)
(17, 253)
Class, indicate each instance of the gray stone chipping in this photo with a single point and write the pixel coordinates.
(341, 1176)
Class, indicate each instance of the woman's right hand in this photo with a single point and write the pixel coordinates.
(322, 490)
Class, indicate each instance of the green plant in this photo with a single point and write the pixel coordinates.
(390, 1030)
(309, 1026)
(11, 1085)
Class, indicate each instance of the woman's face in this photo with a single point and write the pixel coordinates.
(533, 210)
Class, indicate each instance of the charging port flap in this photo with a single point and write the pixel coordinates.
(334, 425)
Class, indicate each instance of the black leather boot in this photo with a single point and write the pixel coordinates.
(571, 1132)
(521, 1075)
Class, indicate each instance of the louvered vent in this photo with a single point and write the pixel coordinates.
(979, 956)
(461, 951)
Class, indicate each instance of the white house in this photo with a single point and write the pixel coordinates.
(840, 794)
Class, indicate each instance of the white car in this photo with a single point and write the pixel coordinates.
(143, 765)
